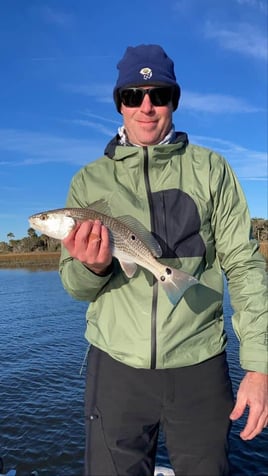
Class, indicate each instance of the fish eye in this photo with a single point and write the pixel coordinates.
(43, 216)
(133, 237)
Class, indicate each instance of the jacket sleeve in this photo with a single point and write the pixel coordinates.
(77, 280)
(244, 268)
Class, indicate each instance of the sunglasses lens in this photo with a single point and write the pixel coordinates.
(160, 96)
(133, 97)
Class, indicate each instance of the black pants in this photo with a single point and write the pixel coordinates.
(125, 406)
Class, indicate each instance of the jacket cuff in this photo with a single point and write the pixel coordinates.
(108, 271)
(91, 278)
(254, 359)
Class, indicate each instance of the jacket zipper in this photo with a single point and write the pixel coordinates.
(155, 282)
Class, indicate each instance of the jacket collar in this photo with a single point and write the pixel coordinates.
(179, 138)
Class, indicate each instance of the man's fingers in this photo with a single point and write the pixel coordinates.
(252, 392)
(238, 409)
(93, 237)
(71, 236)
(252, 430)
(253, 426)
(89, 242)
(105, 239)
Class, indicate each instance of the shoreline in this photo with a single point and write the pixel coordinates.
(30, 260)
(50, 259)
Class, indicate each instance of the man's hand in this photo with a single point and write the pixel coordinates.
(89, 243)
(252, 392)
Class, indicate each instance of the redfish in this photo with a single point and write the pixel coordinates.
(131, 243)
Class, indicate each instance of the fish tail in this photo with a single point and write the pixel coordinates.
(175, 282)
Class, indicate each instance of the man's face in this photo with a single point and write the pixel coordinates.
(147, 124)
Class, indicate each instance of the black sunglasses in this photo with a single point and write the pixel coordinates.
(133, 97)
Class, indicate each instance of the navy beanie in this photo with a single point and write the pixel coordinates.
(146, 65)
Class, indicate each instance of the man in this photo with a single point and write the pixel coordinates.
(151, 362)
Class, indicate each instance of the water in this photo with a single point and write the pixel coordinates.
(41, 392)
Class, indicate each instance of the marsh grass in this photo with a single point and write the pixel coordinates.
(50, 260)
(32, 260)
(264, 249)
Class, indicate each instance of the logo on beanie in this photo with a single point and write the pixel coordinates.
(146, 73)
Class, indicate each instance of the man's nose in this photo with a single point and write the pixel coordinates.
(146, 104)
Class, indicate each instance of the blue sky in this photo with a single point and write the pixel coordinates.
(58, 68)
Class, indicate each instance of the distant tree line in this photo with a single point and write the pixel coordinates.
(34, 242)
(260, 229)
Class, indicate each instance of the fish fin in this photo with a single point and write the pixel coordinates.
(175, 283)
(129, 268)
(101, 206)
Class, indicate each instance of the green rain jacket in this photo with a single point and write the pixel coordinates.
(190, 199)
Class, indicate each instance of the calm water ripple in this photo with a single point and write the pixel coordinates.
(41, 392)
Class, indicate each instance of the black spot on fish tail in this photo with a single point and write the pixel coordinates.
(175, 282)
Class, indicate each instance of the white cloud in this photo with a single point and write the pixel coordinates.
(33, 148)
(101, 92)
(97, 123)
(56, 16)
(94, 125)
(216, 103)
(210, 103)
(248, 164)
(208, 7)
(258, 4)
(241, 38)
(102, 118)
(19, 147)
